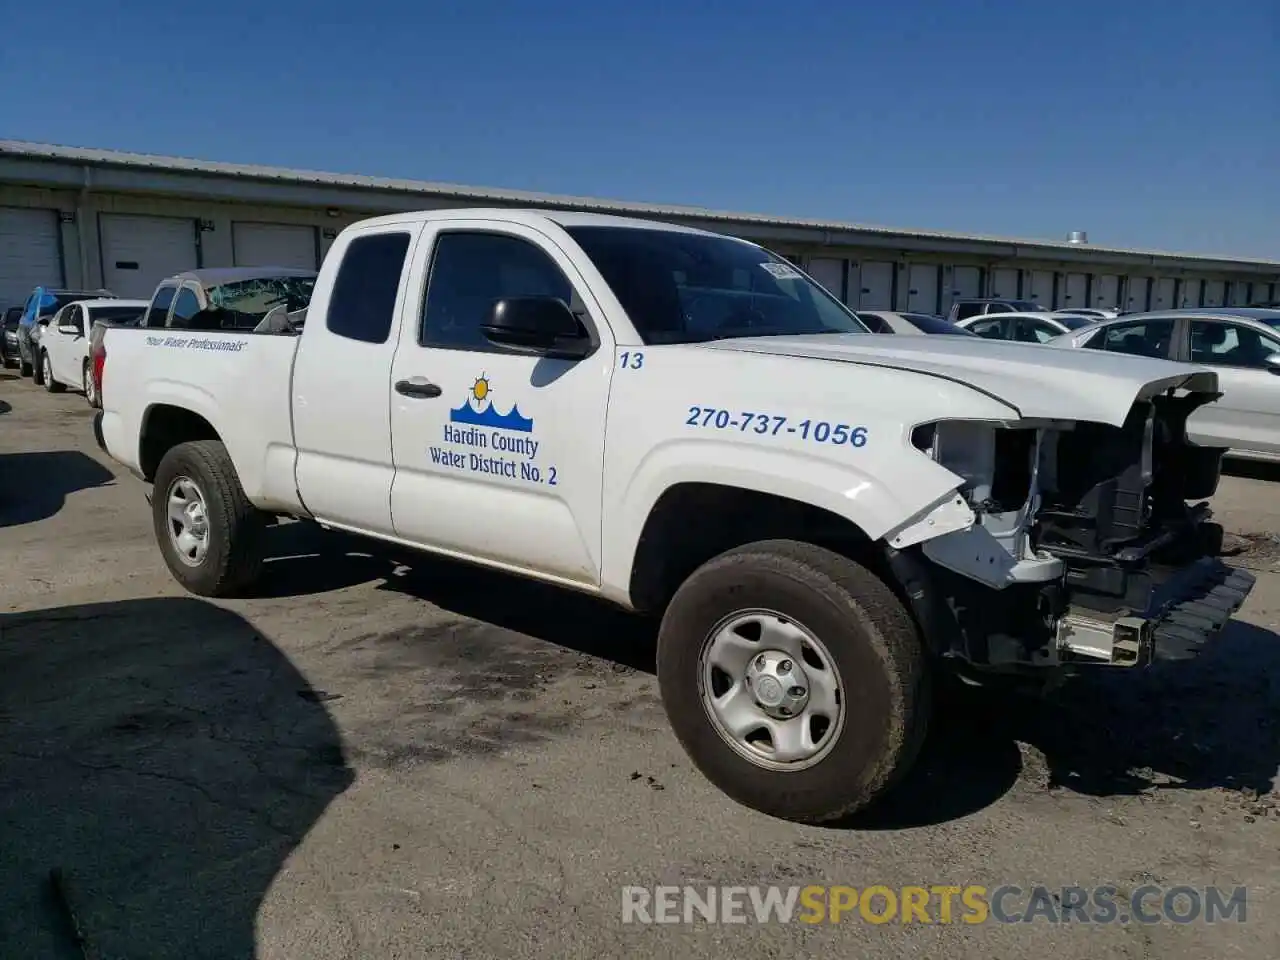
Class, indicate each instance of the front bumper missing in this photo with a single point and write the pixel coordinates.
(1185, 613)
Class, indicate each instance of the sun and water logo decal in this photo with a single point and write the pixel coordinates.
(477, 410)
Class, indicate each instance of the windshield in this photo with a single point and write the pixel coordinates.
(688, 288)
(51, 303)
(249, 300)
(1074, 322)
(929, 324)
(1026, 306)
(109, 314)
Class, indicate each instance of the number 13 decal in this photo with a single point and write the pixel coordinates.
(631, 361)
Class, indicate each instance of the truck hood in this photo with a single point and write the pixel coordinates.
(1037, 381)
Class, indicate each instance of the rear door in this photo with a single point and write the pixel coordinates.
(1247, 415)
(500, 457)
(342, 375)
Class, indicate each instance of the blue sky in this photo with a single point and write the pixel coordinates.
(1153, 124)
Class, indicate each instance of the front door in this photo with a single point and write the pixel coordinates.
(1247, 415)
(498, 452)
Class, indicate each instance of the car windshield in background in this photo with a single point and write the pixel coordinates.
(53, 302)
(250, 300)
(1074, 322)
(1026, 306)
(688, 288)
(113, 314)
(930, 324)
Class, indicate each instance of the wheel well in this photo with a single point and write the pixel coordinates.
(693, 522)
(164, 428)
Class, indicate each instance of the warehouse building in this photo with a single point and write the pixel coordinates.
(98, 218)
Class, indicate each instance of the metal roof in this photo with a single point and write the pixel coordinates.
(20, 149)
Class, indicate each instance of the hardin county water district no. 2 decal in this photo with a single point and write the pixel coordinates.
(478, 410)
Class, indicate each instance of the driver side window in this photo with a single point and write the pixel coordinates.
(1230, 345)
(470, 271)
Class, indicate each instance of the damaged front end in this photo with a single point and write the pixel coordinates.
(1084, 548)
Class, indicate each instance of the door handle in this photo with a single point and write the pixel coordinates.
(418, 387)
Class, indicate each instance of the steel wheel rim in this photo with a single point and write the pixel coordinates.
(47, 368)
(88, 384)
(187, 517)
(771, 690)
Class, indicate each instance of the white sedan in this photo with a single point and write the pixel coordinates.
(1024, 327)
(64, 341)
(891, 321)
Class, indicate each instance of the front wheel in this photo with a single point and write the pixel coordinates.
(25, 369)
(210, 534)
(794, 679)
(46, 374)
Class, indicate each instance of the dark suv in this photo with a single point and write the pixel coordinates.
(9, 355)
(968, 307)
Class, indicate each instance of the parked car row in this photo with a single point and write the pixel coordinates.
(48, 337)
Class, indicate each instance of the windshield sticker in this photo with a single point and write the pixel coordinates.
(781, 271)
(492, 443)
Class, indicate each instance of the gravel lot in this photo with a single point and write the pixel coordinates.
(384, 756)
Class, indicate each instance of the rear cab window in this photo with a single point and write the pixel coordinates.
(362, 304)
(158, 312)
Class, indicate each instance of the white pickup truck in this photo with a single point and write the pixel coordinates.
(687, 425)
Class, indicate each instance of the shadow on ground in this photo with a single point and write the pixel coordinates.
(34, 486)
(5, 407)
(1213, 722)
(166, 759)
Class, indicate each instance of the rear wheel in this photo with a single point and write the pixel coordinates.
(794, 679)
(209, 533)
(46, 374)
(24, 368)
(86, 384)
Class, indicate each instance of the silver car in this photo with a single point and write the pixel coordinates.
(1241, 343)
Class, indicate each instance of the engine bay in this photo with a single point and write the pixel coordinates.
(1079, 529)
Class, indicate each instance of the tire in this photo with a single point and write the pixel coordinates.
(233, 555)
(46, 374)
(25, 369)
(86, 385)
(867, 635)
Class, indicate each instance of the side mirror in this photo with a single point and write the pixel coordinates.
(1273, 363)
(544, 324)
(70, 329)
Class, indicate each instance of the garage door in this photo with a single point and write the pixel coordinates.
(1189, 293)
(1215, 293)
(877, 285)
(1004, 282)
(1162, 293)
(1106, 291)
(30, 253)
(1137, 290)
(966, 282)
(1075, 291)
(138, 252)
(1260, 293)
(922, 287)
(1041, 288)
(274, 245)
(830, 273)
(1238, 293)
